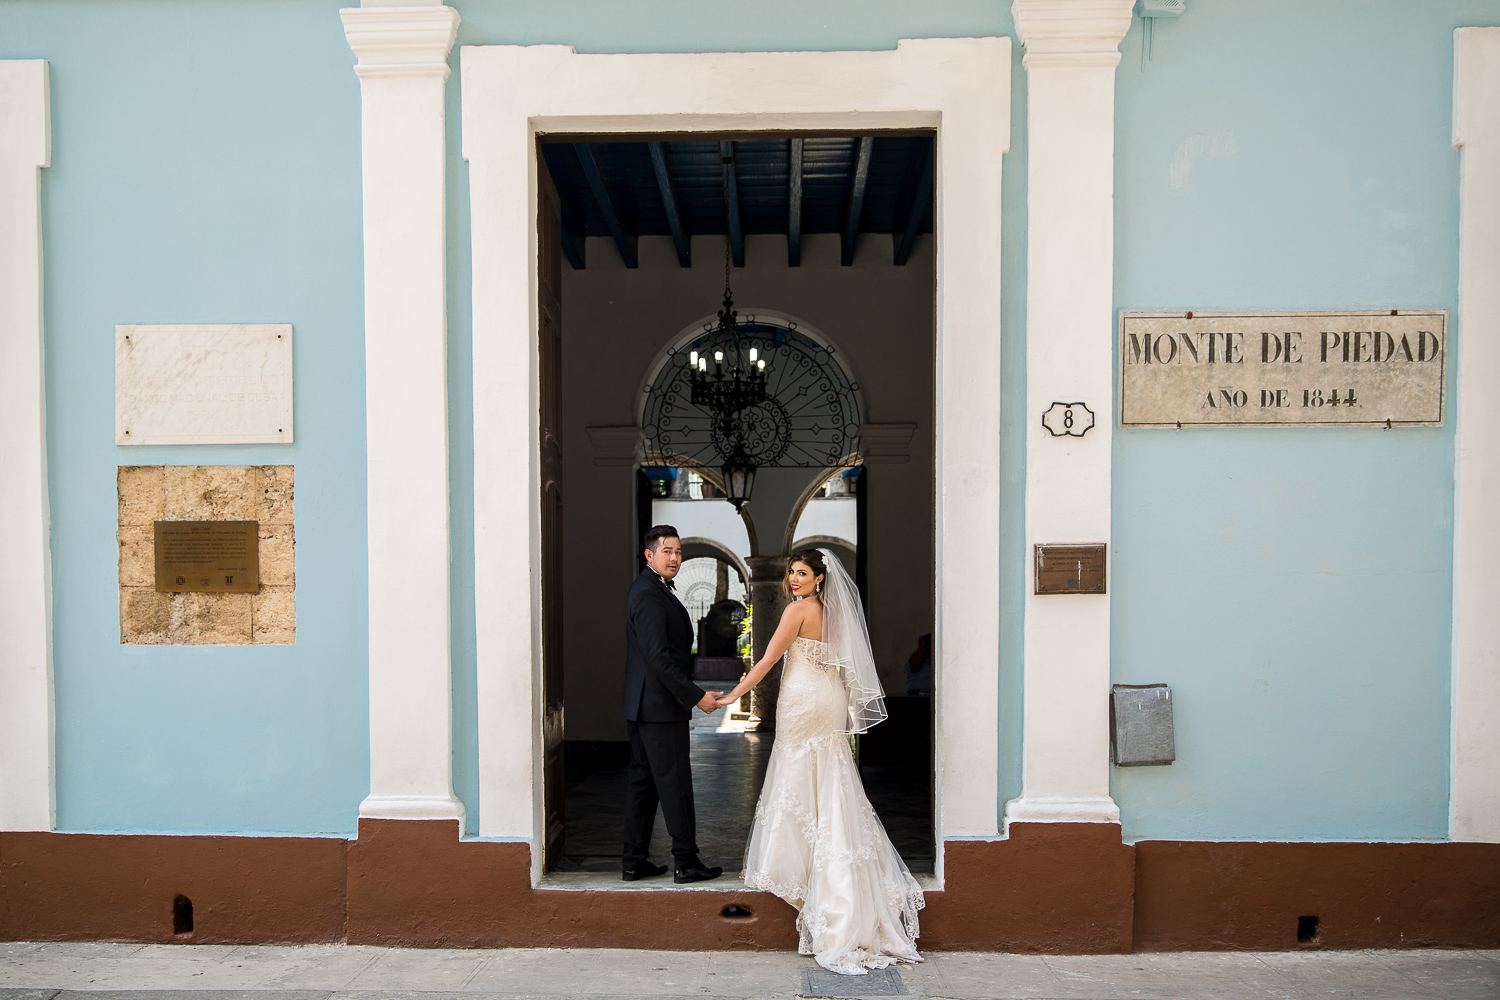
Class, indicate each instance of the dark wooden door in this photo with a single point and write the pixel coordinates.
(862, 535)
(549, 347)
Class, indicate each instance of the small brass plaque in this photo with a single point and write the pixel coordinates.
(215, 556)
(1069, 569)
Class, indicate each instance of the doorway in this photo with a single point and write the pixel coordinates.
(836, 227)
(514, 95)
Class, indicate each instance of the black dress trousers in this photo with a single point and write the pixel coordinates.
(659, 773)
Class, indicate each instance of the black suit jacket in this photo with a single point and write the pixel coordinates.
(658, 654)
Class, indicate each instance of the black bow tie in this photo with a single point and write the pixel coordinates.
(670, 585)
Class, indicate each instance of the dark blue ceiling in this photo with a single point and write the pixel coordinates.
(789, 186)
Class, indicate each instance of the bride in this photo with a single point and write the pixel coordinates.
(816, 841)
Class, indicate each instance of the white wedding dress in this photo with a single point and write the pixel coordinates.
(817, 842)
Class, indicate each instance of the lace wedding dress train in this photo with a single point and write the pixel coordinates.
(816, 841)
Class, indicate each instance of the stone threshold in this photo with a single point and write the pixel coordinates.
(610, 882)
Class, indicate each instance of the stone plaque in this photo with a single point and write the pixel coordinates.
(1309, 368)
(1069, 569)
(203, 384)
(213, 556)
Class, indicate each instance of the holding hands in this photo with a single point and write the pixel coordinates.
(710, 702)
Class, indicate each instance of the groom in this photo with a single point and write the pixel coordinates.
(659, 699)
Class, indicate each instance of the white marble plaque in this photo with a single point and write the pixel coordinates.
(229, 384)
(1294, 368)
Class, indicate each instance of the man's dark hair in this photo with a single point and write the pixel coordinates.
(657, 533)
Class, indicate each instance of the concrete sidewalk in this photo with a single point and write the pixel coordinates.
(53, 971)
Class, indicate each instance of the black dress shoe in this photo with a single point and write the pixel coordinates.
(686, 875)
(643, 870)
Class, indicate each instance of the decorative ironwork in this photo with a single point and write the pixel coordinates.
(737, 378)
(808, 418)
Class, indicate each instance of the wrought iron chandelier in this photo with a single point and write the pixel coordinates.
(734, 383)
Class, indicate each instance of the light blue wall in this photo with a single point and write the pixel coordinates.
(205, 169)
(1294, 585)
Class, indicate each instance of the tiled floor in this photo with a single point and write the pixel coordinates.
(728, 769)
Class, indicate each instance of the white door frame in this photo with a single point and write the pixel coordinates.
(958, 87)
(1474, 798)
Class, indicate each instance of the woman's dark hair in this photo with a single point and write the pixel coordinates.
(657, 533)
(813, 560)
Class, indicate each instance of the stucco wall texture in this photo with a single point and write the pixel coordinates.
(150, 493)
(1292, 585)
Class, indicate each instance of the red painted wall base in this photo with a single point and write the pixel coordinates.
(1053, 888)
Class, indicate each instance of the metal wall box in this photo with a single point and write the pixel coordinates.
(1140, 725)
(1069, 569)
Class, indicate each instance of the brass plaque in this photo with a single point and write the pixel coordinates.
(1200, 369)
(1069, 569)
(217, 556)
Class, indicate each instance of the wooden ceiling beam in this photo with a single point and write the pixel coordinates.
(857, 182)
(794, 206)
(622, 230)
(909, 221)
(671, 203)
(732, 203)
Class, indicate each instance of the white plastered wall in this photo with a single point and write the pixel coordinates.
(403, 71)
(961, 88)
(1072, 48)
(1474, 802)
(26, 712)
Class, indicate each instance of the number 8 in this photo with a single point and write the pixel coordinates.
(1068, 417)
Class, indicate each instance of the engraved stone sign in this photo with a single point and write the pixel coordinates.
(203, 384)
(1306, 368)
(212, 556)
(1069, 569)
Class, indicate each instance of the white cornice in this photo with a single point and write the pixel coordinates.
(615, 445)
(1072, 32)
(401, 41)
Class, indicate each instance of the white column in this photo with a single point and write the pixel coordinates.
(26, 785)
(1072, 47)
(403, 71)
(1474, 802)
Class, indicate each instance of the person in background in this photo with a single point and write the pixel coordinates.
(919, 667)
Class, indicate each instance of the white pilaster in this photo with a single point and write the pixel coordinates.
(26, 720)
(1474, 802)
(403, 71)
(1072, 48)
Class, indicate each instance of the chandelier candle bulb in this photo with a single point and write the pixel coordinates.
(692, 359)
(753, 355)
